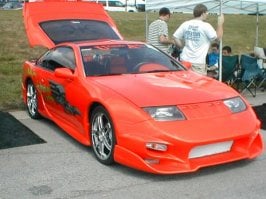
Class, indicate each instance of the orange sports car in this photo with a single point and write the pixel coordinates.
(129, 101)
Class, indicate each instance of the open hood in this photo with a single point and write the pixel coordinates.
(49, 23)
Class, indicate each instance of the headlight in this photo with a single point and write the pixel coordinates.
(235, 105)
(165, 113)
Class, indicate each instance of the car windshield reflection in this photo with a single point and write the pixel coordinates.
(126, 59)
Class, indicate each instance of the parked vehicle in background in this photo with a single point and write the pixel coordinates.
(139, 4)
(116, 5)
(2, 2)
(12, 5)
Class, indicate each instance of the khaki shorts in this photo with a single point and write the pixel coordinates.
(199, 68)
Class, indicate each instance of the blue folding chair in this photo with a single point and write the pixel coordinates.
(230, 66)
(251, 73)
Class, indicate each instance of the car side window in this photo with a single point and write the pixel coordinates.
(102, 2)
(116, 4)
(57, 58)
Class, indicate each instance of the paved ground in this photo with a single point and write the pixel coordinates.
(258, 100)
(62, 168)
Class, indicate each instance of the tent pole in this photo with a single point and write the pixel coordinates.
(257, 27)
(146, 25)
(220, 47)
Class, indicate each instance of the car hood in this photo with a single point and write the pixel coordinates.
(48, 23)
(174, 88)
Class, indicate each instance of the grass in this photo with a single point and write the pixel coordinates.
(239, 33)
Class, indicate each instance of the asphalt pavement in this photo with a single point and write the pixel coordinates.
(255, 101)
(64, 169)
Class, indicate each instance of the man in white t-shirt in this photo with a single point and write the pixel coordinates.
(158, 31)
(196, 36)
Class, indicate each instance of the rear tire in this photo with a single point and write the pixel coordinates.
(32, 101)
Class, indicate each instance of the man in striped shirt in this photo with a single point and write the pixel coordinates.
(158, 31)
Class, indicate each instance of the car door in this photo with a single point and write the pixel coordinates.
(61, 94)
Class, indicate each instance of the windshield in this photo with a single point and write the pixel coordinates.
(122, 59)
(77, 30)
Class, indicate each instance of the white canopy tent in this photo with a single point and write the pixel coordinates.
(229, 6)
(255, 7)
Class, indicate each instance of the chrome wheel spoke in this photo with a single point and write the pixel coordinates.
(107, 138)
(100, 123)
(101, 150)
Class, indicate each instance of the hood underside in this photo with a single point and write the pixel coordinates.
(48, 23)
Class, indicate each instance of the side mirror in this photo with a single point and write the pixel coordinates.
(64, 73)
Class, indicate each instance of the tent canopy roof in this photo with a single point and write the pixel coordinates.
(228, 6)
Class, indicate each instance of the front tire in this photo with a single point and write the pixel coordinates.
(102, 136)
(32, 101)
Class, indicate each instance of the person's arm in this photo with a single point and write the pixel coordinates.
(178, 36)
(219, 29)
(178, 42)
(164, 40)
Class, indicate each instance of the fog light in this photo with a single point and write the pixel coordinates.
(156, 146)
(152, 161)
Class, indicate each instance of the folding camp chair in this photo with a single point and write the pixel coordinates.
(230, 66)
(250, 73)
(262, 79)
(260, 54)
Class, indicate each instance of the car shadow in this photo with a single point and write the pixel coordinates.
(184, 176)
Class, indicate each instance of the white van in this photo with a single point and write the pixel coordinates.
(139, 4)
(116, 5)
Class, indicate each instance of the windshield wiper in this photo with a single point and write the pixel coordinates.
(151, 71)
(108, 74)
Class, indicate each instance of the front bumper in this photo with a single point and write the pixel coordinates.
(171, 162)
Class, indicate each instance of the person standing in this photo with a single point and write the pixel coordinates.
(158, 31)
(196, 36)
